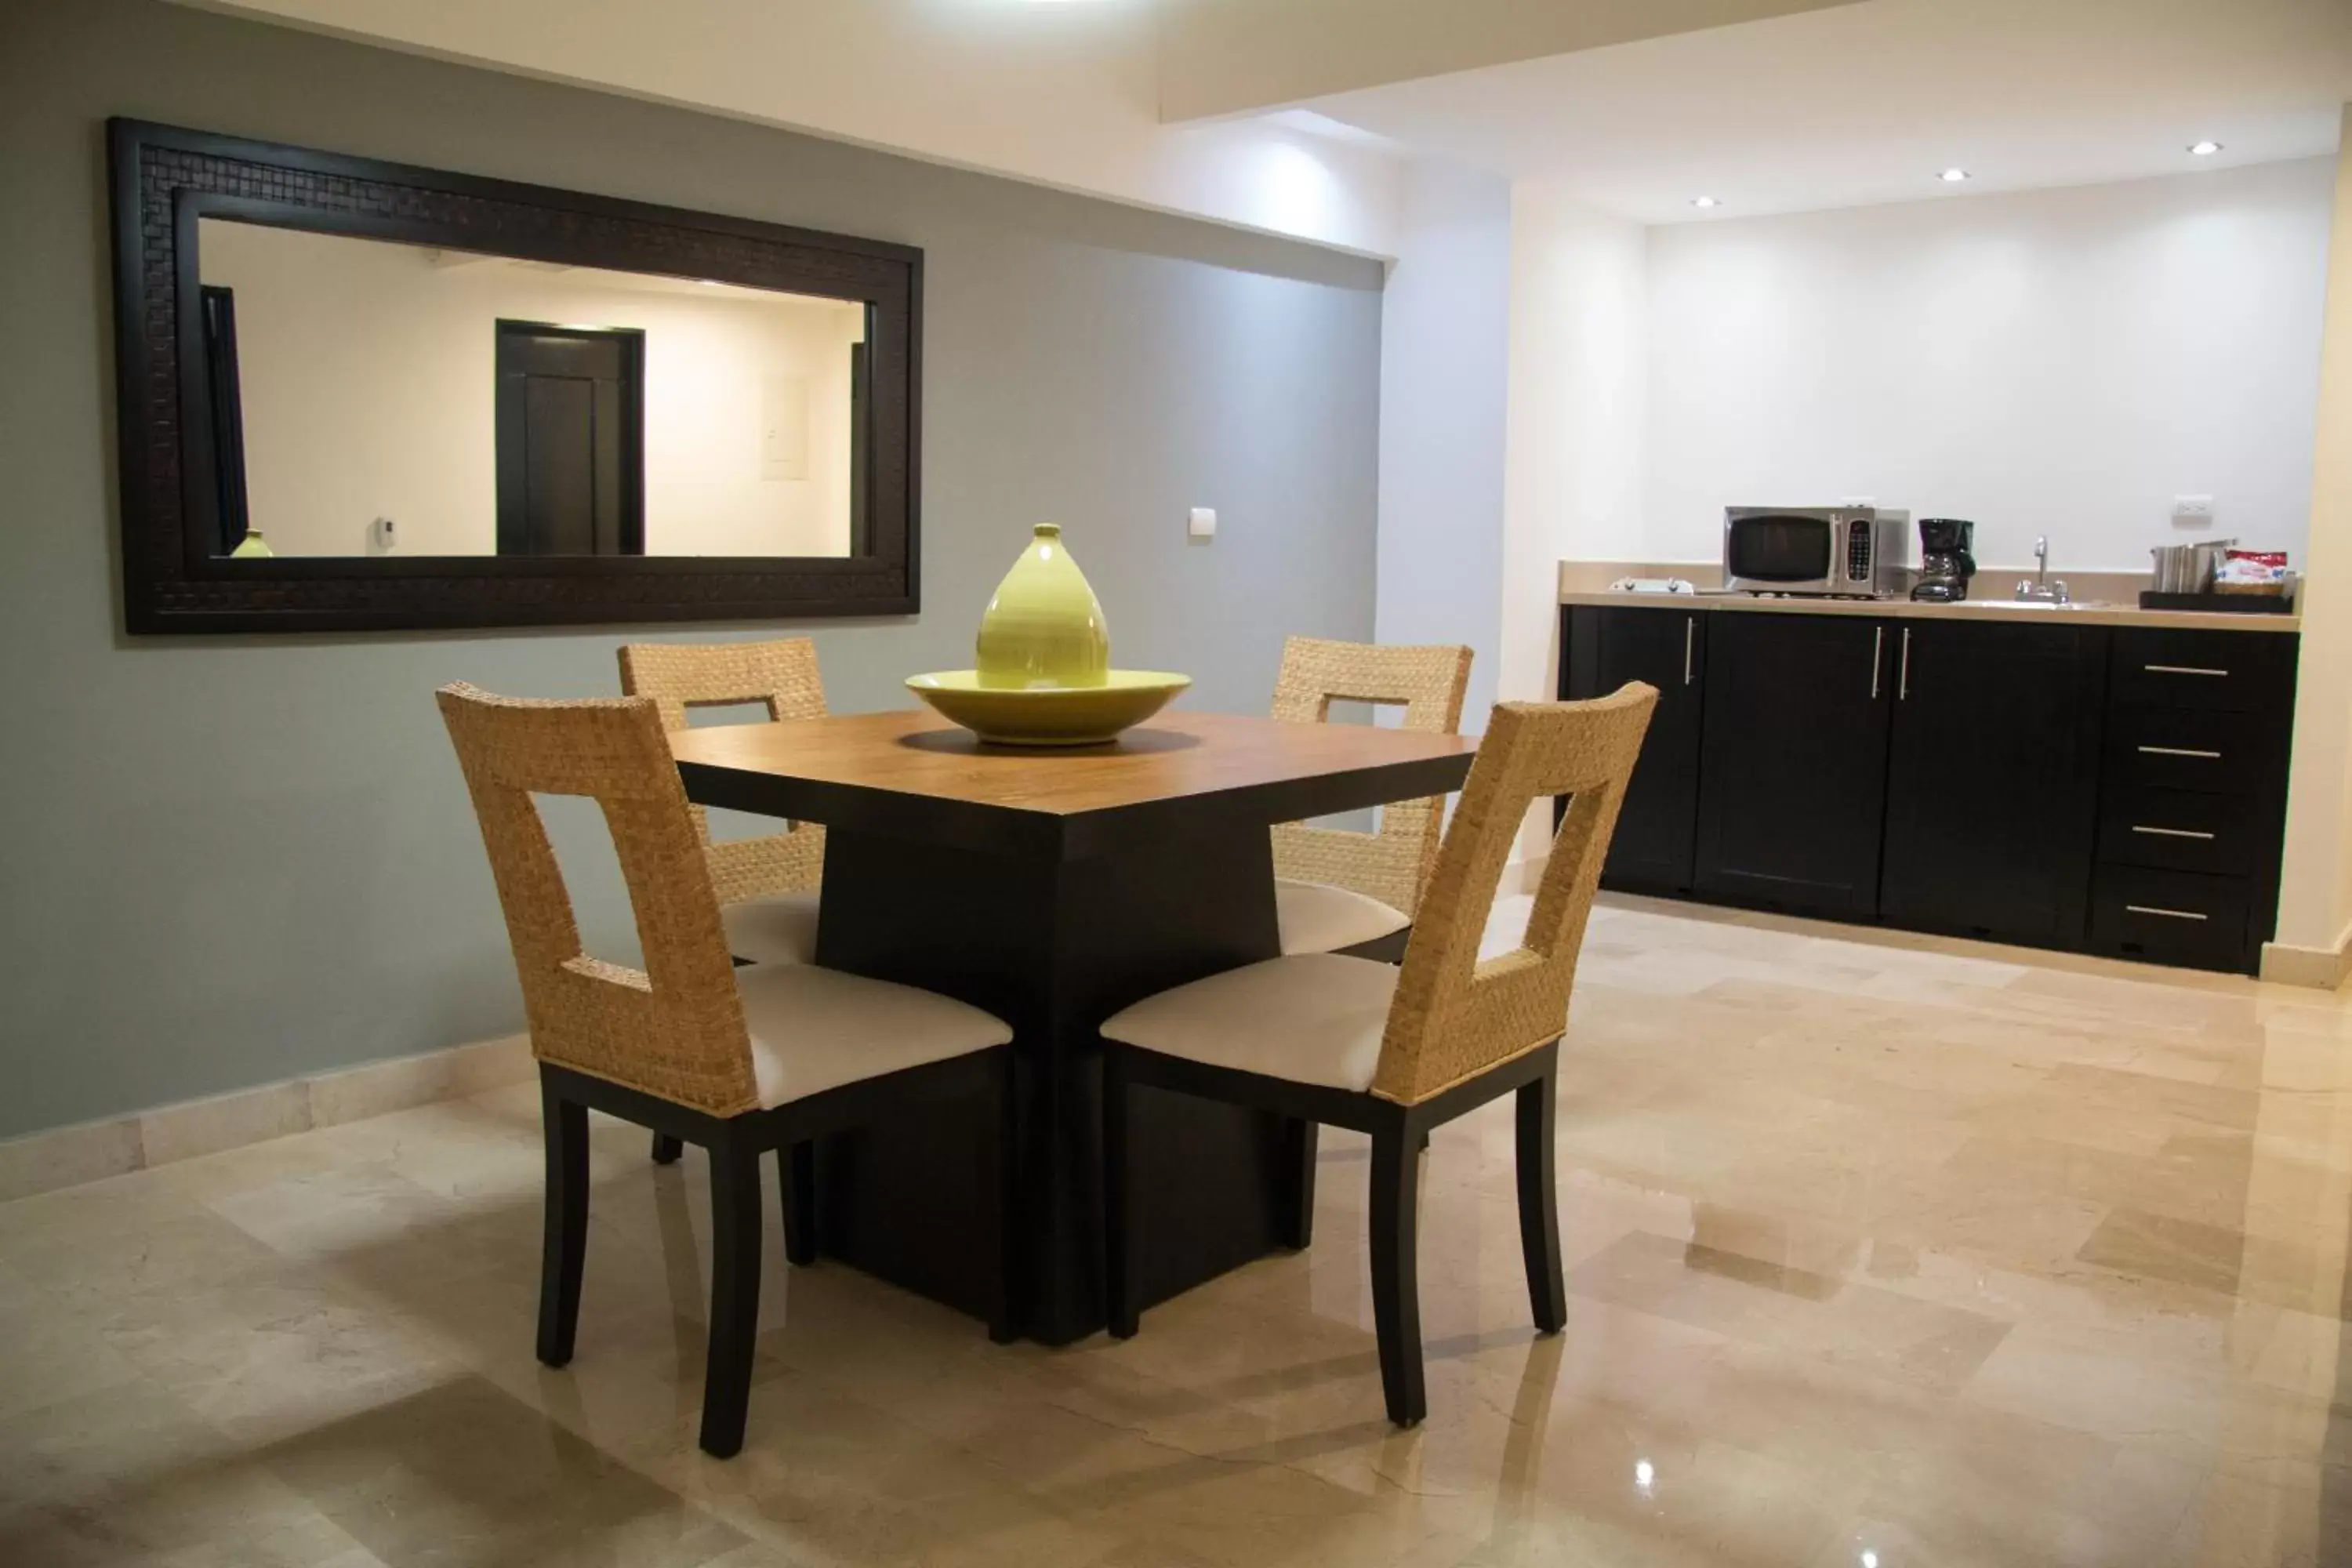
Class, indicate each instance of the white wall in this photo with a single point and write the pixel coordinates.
(1573, 464)
(2059, 363)
(1444, 363)
(367, 376)
(2315, 885)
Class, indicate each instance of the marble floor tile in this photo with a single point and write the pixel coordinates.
(1880, 1250)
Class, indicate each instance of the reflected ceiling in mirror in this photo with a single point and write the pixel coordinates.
(374, 399)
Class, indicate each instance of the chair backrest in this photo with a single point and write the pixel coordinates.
(1454, 1016)
(782, 675)
(674, 1028)
(1392, 864)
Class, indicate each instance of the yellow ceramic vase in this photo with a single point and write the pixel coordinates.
(1045, 627)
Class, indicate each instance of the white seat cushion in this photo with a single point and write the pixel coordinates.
(1314, 1018)
(815, 1029)
(781, 929)
(1315, 917)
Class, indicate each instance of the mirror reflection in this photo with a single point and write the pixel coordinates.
(372, 398)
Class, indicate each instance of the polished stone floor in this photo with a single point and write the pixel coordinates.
(1881, 1253)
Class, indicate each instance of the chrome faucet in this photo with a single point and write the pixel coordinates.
(2040, 589)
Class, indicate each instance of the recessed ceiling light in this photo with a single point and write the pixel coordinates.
(1704, 202)
(2205, 149)
(1953, 176)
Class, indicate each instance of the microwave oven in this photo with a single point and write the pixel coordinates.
(1849, 551)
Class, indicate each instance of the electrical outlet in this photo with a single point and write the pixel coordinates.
(1202, 523)
(1859, 503)
(384, 534)
(2196, 510)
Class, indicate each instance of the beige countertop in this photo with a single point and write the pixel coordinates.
(2089, 614)
(2103, 599)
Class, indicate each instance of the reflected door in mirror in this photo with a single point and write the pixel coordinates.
(571, 440)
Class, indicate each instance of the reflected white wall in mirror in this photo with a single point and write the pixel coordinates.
(368, 380)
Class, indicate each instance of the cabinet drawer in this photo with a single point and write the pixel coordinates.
(2183, 830)
(2169, 917)
(2188, 748)
(2237, 672)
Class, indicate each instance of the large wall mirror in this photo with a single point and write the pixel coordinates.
(356, 396)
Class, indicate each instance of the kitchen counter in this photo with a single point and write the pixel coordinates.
(2083, 612)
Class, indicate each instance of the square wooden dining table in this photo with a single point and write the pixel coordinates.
(1054, 887)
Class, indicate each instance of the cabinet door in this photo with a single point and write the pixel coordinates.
(1658, 825)
(1792, 763)
(1993, 779)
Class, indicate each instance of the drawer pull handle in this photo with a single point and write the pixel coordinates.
(2172, 832)
(2179, 751)
(2168, 914)
(2181, 670)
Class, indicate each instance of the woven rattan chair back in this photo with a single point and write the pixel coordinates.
(674, 1028)
(1454, 1016)
(782, 677)
(1393, 863)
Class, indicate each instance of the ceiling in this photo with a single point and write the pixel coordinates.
(1866, 103)
(1227, 56)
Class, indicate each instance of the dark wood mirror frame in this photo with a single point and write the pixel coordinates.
(173, 578)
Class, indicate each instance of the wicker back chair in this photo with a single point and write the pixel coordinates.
(782, 675)
(1393, 863)
(674, 1029)
(738, 1061)
(1454, 1016)
(1395, 1051)
(1341, 888)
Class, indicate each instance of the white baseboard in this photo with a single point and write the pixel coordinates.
(2323, 968)
(1524, 876)
(66, 1156)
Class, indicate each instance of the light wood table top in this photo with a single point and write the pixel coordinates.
(913, 773)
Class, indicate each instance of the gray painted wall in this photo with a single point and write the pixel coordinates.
(1444, 368)
(232, 861)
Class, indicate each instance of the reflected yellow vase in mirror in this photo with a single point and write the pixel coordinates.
(253, 547)
(1045, 627)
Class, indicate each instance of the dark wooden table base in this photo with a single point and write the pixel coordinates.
(1054, 948)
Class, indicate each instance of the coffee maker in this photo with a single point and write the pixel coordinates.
(1944, 561)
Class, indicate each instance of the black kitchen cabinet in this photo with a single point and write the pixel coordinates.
(1792, 762)
(1657, 826)
(1992, 788)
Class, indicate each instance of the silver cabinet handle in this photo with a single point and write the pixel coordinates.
(2172, 832)
(2182, 669)
(1903, 686)
(2179, 751)
(1877, 657)
(1690, 636)
(2168, 914)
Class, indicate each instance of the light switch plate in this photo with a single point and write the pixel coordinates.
(1203, 522)
(2192, 510)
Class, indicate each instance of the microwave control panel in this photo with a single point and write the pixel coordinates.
(1857, 551)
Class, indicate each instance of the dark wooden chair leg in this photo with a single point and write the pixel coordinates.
(566, 1247)
(1299, 1139)
(734, 1291)
(1119, 1251)
(1538, 1113)
(796, 1184)
(1005, 1314)
(668, 1149)
(1396, 1289)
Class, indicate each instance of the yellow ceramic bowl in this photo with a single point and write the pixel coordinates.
(1048, 715)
